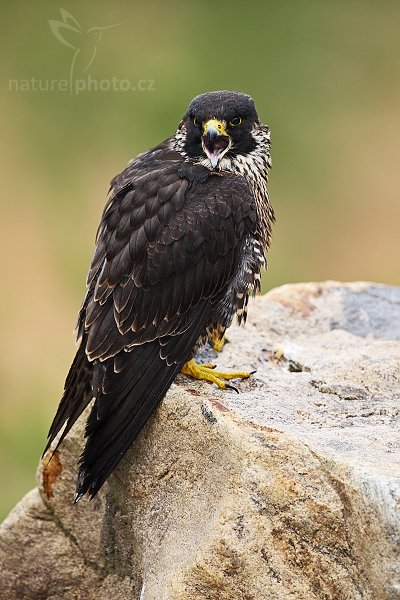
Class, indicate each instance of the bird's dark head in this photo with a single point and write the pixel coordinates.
(220, 124)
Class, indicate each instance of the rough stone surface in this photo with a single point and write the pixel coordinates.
(288, 490)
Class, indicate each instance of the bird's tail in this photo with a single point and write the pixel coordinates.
(77, 395)
(128, 389)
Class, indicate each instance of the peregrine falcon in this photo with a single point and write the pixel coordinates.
(179, 249)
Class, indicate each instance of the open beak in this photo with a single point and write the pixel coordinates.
(215, 141)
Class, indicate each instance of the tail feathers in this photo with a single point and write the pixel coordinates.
(132, 396)
(76, 397)
(106, 430)
(109, 439)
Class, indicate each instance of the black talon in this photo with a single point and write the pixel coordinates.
(231, 387)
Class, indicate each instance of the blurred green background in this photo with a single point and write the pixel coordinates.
(325, 77)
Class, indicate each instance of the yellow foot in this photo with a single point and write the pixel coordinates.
(207, 373)
(217, 342)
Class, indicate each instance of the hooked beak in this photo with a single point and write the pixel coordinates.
(215, 141)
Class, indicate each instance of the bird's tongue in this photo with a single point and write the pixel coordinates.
(215, 147)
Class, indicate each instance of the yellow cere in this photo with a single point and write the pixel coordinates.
(220, 126)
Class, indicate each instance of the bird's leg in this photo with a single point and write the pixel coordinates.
(207, 372)
(218, 342)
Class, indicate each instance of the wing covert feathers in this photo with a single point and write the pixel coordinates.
(169, 243)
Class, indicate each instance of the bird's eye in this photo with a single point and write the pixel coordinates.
(235, 121)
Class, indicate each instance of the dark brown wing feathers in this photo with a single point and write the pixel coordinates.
(168, 245)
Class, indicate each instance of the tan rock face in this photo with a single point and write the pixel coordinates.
(289, 490)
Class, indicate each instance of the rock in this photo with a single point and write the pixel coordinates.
(288, 490)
